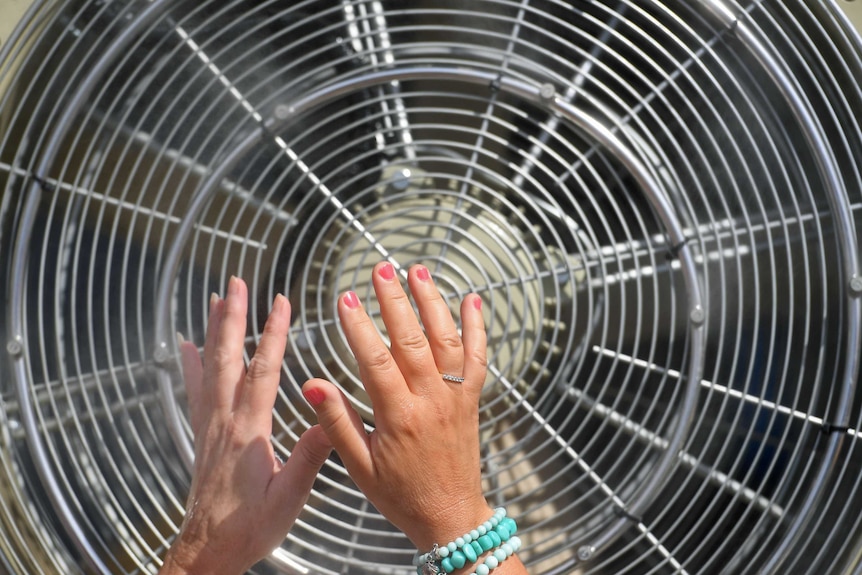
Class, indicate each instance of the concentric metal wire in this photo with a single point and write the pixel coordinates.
(656, 201)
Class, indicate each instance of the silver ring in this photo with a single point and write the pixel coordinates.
(452, 378)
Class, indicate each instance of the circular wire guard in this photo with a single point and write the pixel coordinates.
(656, 201)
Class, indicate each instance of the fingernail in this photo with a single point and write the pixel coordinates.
(350, 300)
(233, 285)
(423, 274)
(477, 302)
(213, 301)
(180, 339)
(314, 396)
(387, 272)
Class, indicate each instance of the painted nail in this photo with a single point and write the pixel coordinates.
(314, 396)
(477, 302)
(423, 274)
(387, 272)
(350, 300)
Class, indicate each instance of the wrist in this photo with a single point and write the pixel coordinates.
(185, 558)
(445, 525)
(478, 551)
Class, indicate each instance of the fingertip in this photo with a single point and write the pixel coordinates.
(476, 302)
(350, 300)
(385, 270)
(314, 396)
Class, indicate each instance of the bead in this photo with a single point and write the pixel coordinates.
(482, 569)
(482, 529)
(443, 552)
(467, 538)
(507, 549)
(452, 547)
(474, 534)
(500, 554)
(459, 542)
(486, 542)
(515, 542)
(491, 562)
(510, 524)
(447, 566)
(458, 559)
(470, 553)
(495, 538)
(477, 548)
(503, 532)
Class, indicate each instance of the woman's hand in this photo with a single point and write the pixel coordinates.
(420, 467)
(243, 500)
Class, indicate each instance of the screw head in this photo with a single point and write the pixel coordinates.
(14, 347)
(547, 91)
(161, 355)
(283, 112)
(585, 552)
(856, 285)
(401, 179)
(697, 315)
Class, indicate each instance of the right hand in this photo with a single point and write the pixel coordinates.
(421, 466)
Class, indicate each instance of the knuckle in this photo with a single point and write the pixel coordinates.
(413, 341)
(479, 357)
(377, 359)
(449, 341)
(259, 367)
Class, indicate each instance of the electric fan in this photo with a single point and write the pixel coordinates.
(657, 200)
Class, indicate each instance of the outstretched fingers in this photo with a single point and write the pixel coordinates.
(377, 368)
(260, 386)
(443, 338)
(475, 343)
(407, 340)
(228, 367)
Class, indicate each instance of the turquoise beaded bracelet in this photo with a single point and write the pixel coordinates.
(492, 534)
(500, 554)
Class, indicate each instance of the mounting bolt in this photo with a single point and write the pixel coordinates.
(585, 552)
(161, 355)
(856, 286)
(547, 92)
(14, 347)
(401, 180)
(697, 315)
(283, 111)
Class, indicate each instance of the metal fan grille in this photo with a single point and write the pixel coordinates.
(656, 200)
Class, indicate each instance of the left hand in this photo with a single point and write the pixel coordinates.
(243, 500)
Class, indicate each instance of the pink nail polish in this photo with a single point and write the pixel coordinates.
(387, 272)
(423, 274)
(350, 300)
(314, 396)
(477, 302)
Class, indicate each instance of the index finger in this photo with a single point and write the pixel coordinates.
(377, 369)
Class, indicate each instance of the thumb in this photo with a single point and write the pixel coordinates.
(293, 482)
(342, 425)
